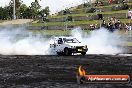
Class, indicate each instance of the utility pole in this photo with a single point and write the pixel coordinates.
(14, 9)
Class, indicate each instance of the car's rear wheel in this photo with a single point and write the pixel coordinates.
(83, 53)
(59, 53)
(67, 52)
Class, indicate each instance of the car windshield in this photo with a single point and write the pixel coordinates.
(73, 40)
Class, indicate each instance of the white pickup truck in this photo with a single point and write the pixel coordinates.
(67, 46)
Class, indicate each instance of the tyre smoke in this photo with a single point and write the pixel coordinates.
(19, 41)
(99, 41)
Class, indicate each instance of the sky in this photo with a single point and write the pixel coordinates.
(55, 5)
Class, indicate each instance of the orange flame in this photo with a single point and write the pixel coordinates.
(81, 71)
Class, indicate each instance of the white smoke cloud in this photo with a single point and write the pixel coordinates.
(18, 41)
(100, 41)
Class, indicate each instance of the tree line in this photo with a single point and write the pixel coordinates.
(34, 11)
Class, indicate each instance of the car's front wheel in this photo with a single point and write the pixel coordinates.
(83, 53)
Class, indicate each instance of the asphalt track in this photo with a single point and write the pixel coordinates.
(60, 71)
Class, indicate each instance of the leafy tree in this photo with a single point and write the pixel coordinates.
(17, 4)
(35, 8)
(4, 13)
(1, 13)
(27, 13)
(22, 10)
(44, 12)
(47, 11)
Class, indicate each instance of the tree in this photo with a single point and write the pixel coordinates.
(17, 4)
(5, 13)
(1, 13)
(22, 10)
(45, 12)
(27, 13)
(35, 8)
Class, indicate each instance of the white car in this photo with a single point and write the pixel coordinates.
(67, 46)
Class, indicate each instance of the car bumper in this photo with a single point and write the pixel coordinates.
(75, 50)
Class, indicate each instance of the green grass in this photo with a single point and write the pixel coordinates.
(87, 14)
(49, 24)
(113, 12)
(52, 32)
(64, 23)
(55, 32)
(125, 20)
(75, 23)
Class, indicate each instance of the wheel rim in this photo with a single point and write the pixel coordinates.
(66, 51)
(83, 53)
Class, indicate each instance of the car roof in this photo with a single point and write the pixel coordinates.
(64, 37)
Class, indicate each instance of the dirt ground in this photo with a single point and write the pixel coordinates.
(60, 71)
(18, 21)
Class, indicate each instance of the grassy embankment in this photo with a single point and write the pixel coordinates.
(56, 32)
(76, 23)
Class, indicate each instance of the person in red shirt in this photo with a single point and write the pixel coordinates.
(110, 1)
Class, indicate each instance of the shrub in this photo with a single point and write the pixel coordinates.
(120, 7)
(69, 18)
(90, 10)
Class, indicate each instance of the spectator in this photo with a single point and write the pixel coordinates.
(100, 3)
(130, 14)
(100, 16)
(104, 24)
(128, 27)
(111, 26)
(96, 3)
(124, 1)
(118, 25)
(113, 20)
(93, 26)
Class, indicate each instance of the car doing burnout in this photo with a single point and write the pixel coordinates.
(68, 46)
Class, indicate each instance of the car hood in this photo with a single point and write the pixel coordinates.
(75, 44)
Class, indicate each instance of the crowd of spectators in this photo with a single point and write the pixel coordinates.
(112, 24)
(99, 3)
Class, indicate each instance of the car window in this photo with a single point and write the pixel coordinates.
(73, 40)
